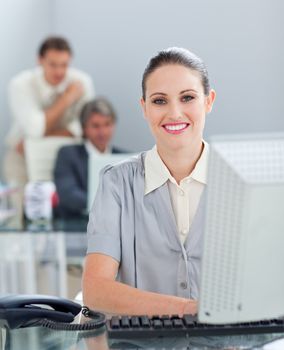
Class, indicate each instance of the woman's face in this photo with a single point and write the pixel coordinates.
(175, 106)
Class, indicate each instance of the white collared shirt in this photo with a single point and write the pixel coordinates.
(92, 150)
(30, 94)
(185, 197)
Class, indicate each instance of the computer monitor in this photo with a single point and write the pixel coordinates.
(95, 165)
(242, 272)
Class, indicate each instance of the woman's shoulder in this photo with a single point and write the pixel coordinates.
(129, 167)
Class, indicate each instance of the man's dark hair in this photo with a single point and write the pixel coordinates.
(99, 105)
(54, 43)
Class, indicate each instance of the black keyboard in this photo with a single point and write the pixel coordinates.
(145, 327)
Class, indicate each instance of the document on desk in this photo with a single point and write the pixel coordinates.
(275, 345)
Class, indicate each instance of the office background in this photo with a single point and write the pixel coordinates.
(242, 43)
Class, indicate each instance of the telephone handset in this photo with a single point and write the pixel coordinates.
(26, 310)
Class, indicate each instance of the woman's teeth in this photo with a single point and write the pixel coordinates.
(175, 127)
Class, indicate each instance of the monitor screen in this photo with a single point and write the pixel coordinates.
(95, 165)
(242, 276)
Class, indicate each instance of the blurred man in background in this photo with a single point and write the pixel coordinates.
(98, 121)
(44, 101)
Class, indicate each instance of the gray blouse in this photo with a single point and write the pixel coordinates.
(140, 232)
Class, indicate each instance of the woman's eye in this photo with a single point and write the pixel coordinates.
(187, 98)
(159, 101)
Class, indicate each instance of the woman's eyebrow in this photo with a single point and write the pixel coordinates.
(182, 92)
(187, 90)
(158, 93)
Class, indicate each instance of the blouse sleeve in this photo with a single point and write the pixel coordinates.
(104, 221)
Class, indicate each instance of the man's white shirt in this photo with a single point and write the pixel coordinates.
(93, 151)
(30, 94)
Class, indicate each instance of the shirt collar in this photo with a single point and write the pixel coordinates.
(156, 172)
(47, 88)
(91, 149)
(199, 173)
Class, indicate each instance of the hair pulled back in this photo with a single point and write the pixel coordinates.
(178, 56)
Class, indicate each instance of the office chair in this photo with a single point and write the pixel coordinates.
(41, 155)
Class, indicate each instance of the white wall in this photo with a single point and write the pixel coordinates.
(23, 24)
(241, 41)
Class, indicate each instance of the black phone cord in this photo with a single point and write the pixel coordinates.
(98, 320)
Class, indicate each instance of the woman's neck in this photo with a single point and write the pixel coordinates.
(181, 162)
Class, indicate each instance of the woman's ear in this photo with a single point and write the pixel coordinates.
(210, 98)
(143, 105)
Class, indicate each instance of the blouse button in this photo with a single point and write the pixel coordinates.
(183, 285)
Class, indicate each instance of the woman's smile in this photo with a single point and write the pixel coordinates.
(175, 128)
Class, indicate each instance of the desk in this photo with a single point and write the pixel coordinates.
(22, 251)
(35, 262)
(42, 338)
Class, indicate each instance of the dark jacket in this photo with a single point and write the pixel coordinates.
(71, 180)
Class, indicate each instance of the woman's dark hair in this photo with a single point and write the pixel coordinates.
(99, 105)
(179, 56)
(54, 43)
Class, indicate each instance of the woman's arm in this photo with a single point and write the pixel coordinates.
(101, 292)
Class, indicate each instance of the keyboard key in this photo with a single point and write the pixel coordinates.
(114, 323)
(189, 321)
(157, 324)
(199, 325)
(177, 323)
(125, 322)
(165, 317)
(135, 322)
(145, 323)
(167, 323)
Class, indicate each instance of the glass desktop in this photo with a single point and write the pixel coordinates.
(35, 338)
(43, 259)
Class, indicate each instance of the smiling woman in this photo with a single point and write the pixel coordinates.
(175, 106)
(145, 258)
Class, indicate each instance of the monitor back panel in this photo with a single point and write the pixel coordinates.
(244, 232)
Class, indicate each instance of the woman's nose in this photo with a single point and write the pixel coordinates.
(174, 111)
